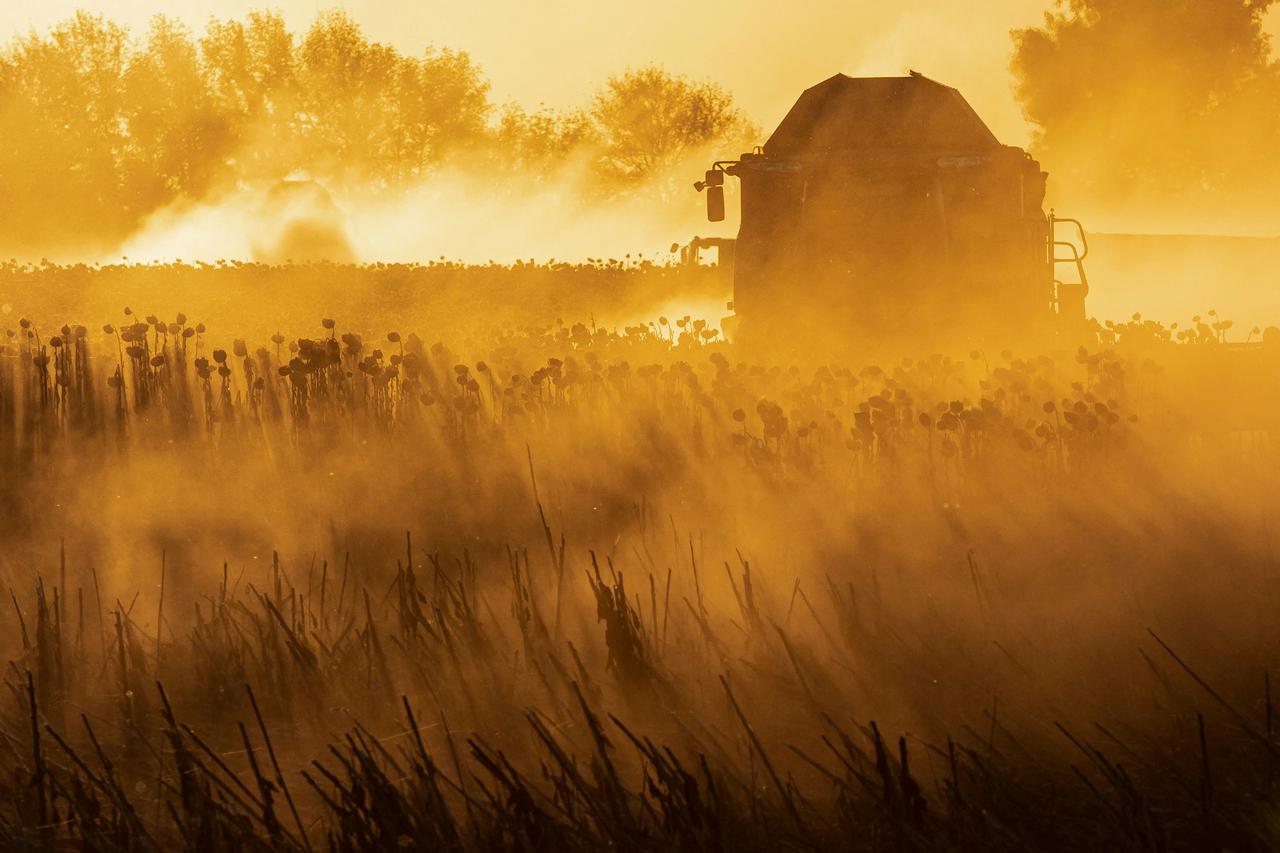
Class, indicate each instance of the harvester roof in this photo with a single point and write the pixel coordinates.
(849, 115)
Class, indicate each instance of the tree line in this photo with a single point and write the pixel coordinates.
(103, 126)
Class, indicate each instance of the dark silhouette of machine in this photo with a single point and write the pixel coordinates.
(298, 221)
(884, 210)
(691, 252)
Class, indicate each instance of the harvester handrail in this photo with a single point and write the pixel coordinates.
(1084, 239)
(1076, 257)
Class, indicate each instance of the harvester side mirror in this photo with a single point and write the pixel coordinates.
(715, 204)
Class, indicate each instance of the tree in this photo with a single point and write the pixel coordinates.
(250, 70)
(441, 102)
(370, 113)
(177, 140)
(1152, 103)
(649, 120)
(541, 144)
(62, 102)
(343, 122)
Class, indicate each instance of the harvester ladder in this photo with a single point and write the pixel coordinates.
(1074, 256)
(1068, 297)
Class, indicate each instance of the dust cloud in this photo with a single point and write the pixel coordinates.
(467, 530)
(455, 215)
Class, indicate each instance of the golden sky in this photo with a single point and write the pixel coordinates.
(557, 51)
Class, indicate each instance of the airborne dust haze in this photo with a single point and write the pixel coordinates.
(376, 477)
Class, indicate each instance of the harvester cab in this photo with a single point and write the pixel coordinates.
(883, 211)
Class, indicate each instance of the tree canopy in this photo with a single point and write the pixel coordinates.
(650, 119)
(104, 127)
(1167, 104)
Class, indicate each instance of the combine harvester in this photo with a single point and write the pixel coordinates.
(883, 217)
(884, 214)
